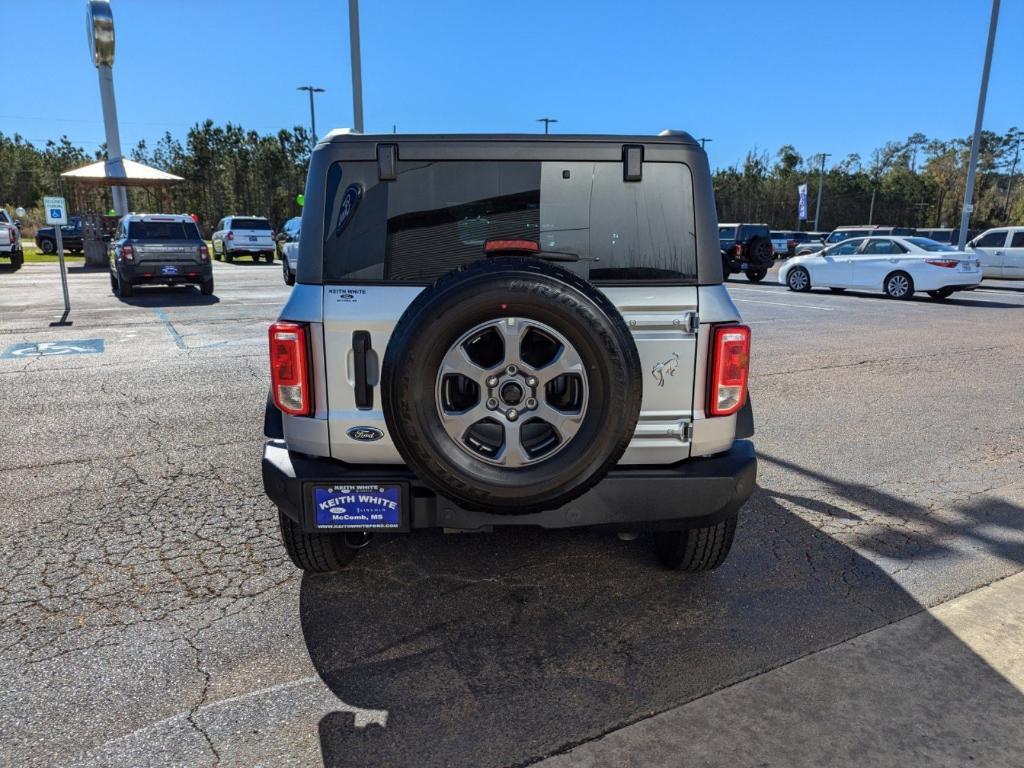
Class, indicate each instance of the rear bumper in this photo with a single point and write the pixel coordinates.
(153, 272)
(691, 493)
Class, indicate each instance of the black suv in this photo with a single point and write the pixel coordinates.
(158, 248)
(746, 248)
(70, 236)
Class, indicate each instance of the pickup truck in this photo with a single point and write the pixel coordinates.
(70, 235)
(10, 239)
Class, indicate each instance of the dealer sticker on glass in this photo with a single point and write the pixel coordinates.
(358, 506)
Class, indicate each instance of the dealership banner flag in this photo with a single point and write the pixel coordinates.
(802, 207)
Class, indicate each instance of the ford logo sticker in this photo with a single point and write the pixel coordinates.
(350, 199)
(364, 434)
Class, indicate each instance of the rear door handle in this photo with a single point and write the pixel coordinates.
(999, 253)
(363, 391)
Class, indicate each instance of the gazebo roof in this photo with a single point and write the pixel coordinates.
(121, 173)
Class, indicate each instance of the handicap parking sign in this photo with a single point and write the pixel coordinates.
(53, 349)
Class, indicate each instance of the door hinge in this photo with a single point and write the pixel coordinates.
(691, 321)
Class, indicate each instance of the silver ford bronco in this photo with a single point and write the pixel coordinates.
(508, 330)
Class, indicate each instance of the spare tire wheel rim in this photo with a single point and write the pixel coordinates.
(512, 392)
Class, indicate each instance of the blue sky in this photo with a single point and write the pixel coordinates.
(829, 75)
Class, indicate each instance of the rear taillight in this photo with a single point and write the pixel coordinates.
(289, 369)
(230, 235)
(947, 263)
(204, 253)
(739, 249)
(791, 244)
(127, 253)
(730, 362)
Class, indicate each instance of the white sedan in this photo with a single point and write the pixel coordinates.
(895, 265)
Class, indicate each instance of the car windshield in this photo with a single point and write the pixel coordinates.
(250, 224)
(930, 245)
(439, 215)
(163, 230)
(727, 233)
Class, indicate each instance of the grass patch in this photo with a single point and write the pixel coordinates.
(36, 257)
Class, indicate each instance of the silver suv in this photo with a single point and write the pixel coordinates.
(508, 331)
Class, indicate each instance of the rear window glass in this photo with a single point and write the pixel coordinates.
(437, 216)
(727, 233)
(163, 230)
(250, 224)
(1018, 240)
(930, 245)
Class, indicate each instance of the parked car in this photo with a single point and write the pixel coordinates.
(290, 254)
(1001, 252)
(158, 249)
(839, 234)
(70, 235)
(946, 235)
(10, 239)
(898, 266)
(783, 243)
(243, 236)
(746, 248)
(548, 377)
(289, 232)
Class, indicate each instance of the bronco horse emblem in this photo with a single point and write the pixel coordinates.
(669, 366)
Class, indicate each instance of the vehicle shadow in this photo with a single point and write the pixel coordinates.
(168, 296)
(500, 649)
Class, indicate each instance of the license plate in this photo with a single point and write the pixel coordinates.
(359, 506)
(253, 239)
(169, 271)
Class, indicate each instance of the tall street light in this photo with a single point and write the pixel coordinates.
(547, 121)
(821, 183)
(312, 112)
(704, 140)
(965, 217)
(357, 64)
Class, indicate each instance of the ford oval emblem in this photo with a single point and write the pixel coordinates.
(365, 434)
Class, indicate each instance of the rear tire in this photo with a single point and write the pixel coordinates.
(227, 256)
(47, 246)
(17, 259)
(942, 293)
(314, 552)
(206, 289)
(113, 282)
(289, 278)
(216, 255)
(696, 549)
(799, 280)
(756, 275)
(124, 288)
(898, 285)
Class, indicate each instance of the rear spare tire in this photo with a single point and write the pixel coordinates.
(759, 252)
(511, 386)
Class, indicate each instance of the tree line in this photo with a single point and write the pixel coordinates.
(227, 169)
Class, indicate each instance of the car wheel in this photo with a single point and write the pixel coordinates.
(228, 257)
(314, 552)
(17, 259)
(899, 285)
(125, 289)
(216, 255)
(837, 290)
(696, 549)
(798, 279)
(942, 293)
(47, 246)
(113, 282)
(756, 275)
(726, 269)
(289, 278)
(206, 288)
(511, 385)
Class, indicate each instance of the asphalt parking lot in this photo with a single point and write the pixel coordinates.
(148, 615)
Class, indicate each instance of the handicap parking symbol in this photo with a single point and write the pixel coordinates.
(55, 213)
(53, 348)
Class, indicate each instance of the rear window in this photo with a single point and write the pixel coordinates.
(750, 231)
(727, 233)
(437, 216)
(1018, 240)
(930, 245)
(838, 237)
(163, 230)
(250, 224)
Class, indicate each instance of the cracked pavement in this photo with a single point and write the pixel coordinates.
(149, 616)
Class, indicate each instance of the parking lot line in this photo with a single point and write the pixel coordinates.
(783, 304)
(170, 327)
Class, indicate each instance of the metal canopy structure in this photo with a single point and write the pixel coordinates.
(121, 173)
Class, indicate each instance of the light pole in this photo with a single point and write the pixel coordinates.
(312, 112)
(357, 64)
(547, 121)
(965, 217)
(99, 21)
(821, 183)
(703, 140)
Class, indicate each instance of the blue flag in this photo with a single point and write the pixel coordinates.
(802, 206)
